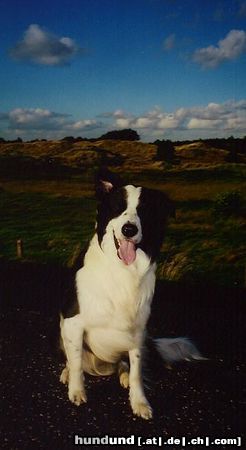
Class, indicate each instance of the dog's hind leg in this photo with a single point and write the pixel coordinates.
(65, 374)
(72, 336)
(95, 366)
(123, 372)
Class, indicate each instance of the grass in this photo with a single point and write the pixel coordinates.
(53, 216)
(50, 226)
(214, 250)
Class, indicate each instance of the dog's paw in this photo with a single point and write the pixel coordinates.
(124, 379)
(64, 378)
(77, 396)
(123, 372)
(142, 409)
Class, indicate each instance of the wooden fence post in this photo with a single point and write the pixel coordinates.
(19, 248)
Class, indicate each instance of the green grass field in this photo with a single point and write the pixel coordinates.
(53, 217)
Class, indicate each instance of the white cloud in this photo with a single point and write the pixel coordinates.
(84, 124)
(236, 123)
(42, 47)
(119, 113)
(44, 121)
(211, 120)
(143, 122)
(154, 119)
(214, 116)
(200, 124)
(169, 121)
(224, 116)
(227, 49)
(123, 122)
(36, 119)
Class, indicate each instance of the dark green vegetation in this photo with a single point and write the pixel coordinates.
(50, 225)
(47, 200)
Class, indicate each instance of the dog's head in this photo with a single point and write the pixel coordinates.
(130, 217)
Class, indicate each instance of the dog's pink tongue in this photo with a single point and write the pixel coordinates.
(127, 251)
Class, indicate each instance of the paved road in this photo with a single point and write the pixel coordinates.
(194, 399)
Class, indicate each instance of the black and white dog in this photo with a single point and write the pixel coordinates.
(114, 288)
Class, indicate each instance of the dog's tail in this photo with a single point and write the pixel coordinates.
(177, 349)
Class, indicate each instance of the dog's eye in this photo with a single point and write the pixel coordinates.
(119, 208)
(117, 204)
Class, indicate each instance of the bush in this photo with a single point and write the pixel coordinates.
(228, 203)
(68, 139)
(121, 135)
(165, 151)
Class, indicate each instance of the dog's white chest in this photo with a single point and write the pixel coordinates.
(114, 302)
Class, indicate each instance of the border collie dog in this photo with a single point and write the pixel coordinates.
(114, 290)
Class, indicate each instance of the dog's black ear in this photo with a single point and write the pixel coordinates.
(165, 205)
(106, 181)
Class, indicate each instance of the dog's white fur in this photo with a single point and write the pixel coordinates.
(114, 300)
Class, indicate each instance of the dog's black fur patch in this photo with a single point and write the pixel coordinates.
(153, 209)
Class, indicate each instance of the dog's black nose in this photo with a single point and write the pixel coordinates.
(129, 230)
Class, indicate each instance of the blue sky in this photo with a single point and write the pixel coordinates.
(166, 68)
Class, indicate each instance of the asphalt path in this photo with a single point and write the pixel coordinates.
(192, 400)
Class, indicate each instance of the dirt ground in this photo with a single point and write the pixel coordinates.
(198, 399)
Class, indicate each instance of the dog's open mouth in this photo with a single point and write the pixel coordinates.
(126, 250)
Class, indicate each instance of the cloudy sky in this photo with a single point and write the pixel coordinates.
(167, 68)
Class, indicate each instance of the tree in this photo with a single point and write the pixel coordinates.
(18, 140)
(68, 139)
(121, 135)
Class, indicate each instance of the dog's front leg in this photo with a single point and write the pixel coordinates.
(139, 403)
(72, 338)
